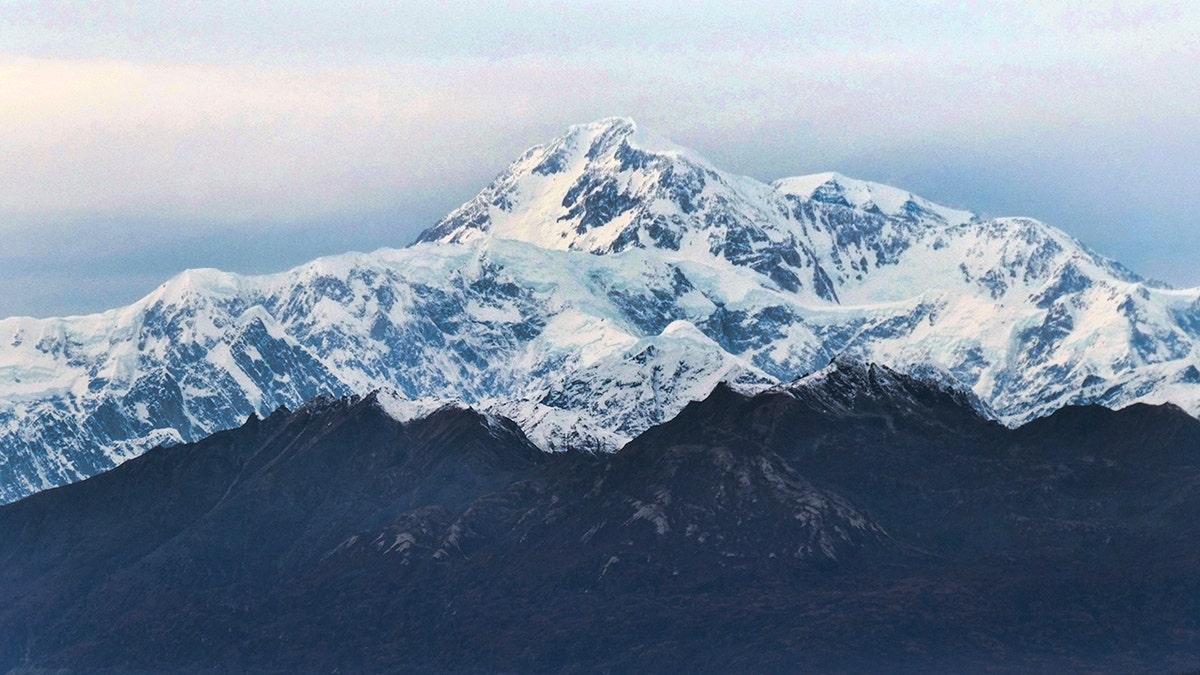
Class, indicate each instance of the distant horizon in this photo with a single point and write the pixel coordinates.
(143, 139)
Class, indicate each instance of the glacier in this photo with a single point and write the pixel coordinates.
(594, 288)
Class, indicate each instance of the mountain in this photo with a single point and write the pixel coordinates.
(856, 519)
(598, 285)
(241, 508)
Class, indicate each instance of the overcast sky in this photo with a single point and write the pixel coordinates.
(142, 138)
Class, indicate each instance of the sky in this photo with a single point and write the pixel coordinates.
(143, 138)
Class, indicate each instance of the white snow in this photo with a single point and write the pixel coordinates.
(595, 344)
(405, 410)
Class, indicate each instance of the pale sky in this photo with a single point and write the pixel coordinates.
(142, 138)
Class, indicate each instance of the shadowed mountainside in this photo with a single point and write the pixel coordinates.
(855, 519)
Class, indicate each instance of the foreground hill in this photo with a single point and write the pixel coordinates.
(857, 519)
(602, 282)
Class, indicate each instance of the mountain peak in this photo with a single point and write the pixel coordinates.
(831, 187)
(198, 281)
(610, 186)
(607, 129)
(606, 136)
(845, 384)
(600, 187)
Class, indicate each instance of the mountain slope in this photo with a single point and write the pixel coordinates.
(858, 519)
(242, 507)
(599, 284)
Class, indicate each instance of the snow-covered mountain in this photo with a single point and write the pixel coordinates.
(595, 287)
